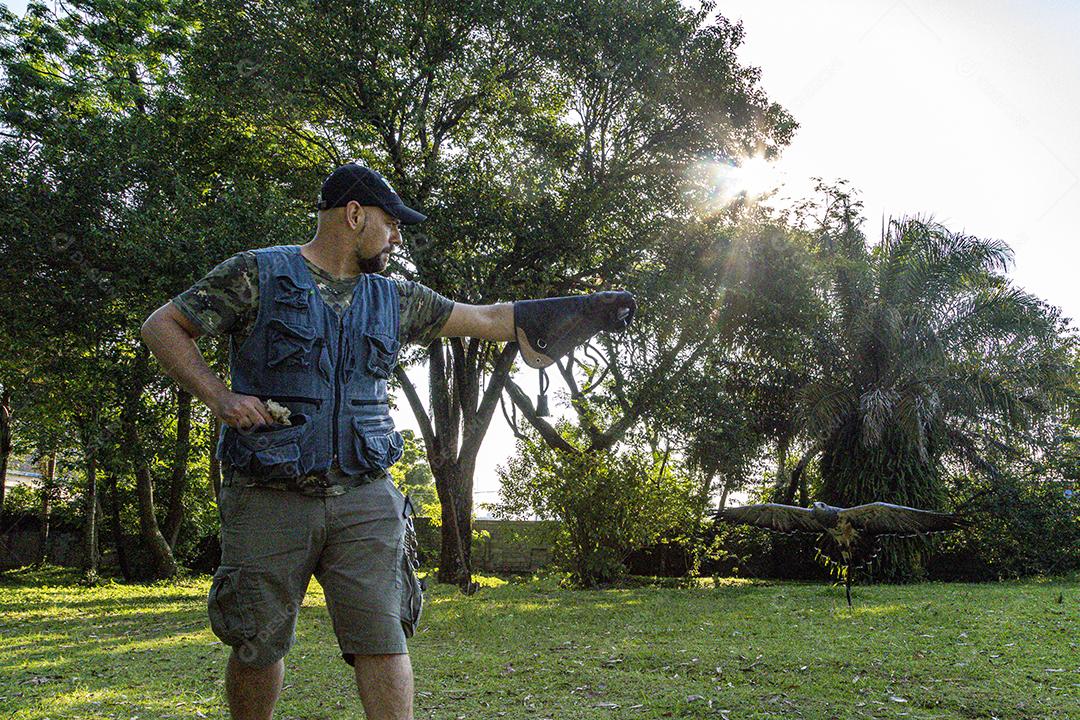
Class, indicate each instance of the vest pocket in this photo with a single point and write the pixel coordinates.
(289, 344)
(379, 448)
(382, 351)
(292, 295)
(274, 453)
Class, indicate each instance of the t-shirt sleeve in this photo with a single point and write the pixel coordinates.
(423, 313)
(226, 299)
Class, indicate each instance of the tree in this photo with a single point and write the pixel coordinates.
(930, 348)
(94, 96)
(465, 108)
(744, 394)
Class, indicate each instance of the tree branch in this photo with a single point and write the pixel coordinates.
(550, 435)
(647, 398)
(796, 474)
(419, 412)
(477, 427)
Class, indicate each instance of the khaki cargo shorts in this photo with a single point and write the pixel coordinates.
(273, 541)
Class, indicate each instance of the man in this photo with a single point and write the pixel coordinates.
(316, 329)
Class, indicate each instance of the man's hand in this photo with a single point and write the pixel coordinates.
(243, 412)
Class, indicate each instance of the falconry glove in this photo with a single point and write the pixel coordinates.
(550, 328)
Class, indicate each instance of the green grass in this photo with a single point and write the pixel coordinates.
(531, 650)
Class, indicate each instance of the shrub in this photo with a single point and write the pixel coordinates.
(608, 504)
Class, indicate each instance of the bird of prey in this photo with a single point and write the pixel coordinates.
(848, 527)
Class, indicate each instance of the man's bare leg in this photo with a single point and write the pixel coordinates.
(386, 686)
(253, 692)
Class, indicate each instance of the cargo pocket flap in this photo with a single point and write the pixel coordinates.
(270, 453)
(292, 294)
(382, 354)
(230, 617)
(383, 449)
(279, 455)
(289, 343)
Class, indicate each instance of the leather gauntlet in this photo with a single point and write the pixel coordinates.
(550, 328)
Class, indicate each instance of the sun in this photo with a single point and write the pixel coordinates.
(722, 183)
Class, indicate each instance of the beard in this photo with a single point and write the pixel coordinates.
(372, 264)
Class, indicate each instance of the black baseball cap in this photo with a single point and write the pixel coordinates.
(367, 187)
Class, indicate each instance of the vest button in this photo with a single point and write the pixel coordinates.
(290, 468)
(262, 442)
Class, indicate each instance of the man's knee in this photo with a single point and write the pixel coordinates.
(377, 660)
(385, 683)
(383, 670)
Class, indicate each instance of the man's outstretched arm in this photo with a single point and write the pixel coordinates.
(487, 322)
(170, 335)
(544, 329)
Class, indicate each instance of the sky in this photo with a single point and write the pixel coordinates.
(963, 110)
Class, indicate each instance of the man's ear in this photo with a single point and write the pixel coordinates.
(356, 215)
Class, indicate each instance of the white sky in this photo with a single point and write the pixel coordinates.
(964, 110)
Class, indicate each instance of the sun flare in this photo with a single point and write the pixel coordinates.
(723, 183)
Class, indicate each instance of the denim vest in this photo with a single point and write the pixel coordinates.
(330, 372)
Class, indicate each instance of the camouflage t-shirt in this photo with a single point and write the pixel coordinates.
(226, 301)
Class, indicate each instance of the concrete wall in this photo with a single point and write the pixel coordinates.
(508, 546)
(21, 545)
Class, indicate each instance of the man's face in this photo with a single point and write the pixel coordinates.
(376, 240)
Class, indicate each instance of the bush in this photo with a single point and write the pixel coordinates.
(1019, 527)
(608, 504)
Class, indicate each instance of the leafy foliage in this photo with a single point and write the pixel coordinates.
(609, 503)
(930, 348)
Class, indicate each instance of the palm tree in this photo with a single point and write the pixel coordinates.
(930, 348)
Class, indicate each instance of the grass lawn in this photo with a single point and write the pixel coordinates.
(531, 650)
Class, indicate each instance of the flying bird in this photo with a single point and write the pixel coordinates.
(848, 527)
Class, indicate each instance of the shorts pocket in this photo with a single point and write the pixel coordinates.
(230, 617)
(382, 353)
(412, 588)
(270, 453)
(231, 501)
(290, 344)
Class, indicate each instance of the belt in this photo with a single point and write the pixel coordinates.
(321, 480)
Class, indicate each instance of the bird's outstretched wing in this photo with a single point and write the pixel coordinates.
(772, 516)
(881, 518)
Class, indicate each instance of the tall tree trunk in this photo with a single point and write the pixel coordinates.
(724, 494)
(174, 516)
(708, 479)
(5, 440)
(798, 478)
(455, 498)
(90, 538)
(118, 529)
(460, 416)
(781, 479)
(48, 479)
(161, 557)
(160, 553)
(215, 464)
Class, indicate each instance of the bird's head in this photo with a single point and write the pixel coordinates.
(825, 514)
